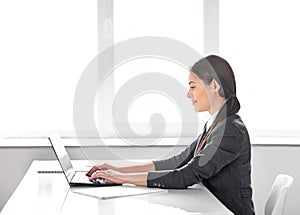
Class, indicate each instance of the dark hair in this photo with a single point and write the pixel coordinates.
(215, 67)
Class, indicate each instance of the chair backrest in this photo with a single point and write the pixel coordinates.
(276, 200)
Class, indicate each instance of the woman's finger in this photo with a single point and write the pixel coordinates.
(98, 175)
(109, 176)
(92, 170)
(95, 168)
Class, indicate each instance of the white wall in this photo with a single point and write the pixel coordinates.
(267, 162)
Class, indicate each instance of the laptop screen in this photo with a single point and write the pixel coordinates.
(62, 156)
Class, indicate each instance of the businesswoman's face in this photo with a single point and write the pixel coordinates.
(198, 93)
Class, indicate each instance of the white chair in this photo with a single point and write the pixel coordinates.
(276, 200)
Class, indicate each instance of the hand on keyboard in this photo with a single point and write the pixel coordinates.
(99, 181)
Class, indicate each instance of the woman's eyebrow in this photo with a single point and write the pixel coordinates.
(191, 82)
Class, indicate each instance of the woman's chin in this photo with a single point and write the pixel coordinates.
(197, 109)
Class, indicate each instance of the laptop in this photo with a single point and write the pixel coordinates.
(74, 178)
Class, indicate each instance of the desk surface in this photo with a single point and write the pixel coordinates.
(51, 194)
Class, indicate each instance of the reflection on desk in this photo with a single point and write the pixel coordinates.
(116, 191)
(51, 194)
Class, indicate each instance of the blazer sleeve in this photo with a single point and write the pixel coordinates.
(219, 151)
(178, 160)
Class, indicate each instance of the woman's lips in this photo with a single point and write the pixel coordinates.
(194, 102)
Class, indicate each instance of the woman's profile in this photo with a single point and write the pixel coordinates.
(219, 158)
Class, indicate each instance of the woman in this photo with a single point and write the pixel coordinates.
(219, 158)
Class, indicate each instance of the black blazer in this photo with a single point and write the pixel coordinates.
(223, 166)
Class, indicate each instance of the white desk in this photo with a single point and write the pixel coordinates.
(50, 194)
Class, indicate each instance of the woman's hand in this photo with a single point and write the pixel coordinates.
(102, 167)
(139, 179)
(110, 175)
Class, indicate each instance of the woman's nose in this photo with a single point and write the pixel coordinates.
(189, 94)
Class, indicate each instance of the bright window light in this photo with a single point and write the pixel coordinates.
(45, 46)
(261, 41)
(182, 21)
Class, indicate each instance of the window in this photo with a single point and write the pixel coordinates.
(261, 41)
(182, 21)
(45, 46)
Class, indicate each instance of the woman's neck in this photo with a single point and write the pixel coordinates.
(216, 105)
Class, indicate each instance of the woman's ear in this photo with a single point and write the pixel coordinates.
(216, 86)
